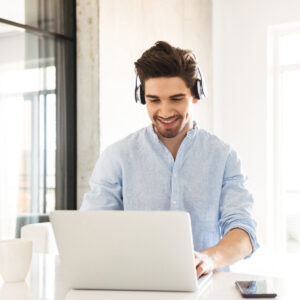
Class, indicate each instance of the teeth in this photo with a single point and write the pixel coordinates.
(168, 122)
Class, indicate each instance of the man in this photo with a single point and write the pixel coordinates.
(174, 165)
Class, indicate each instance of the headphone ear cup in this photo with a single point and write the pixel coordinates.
(197, 89)
(136, 94)
(139, 92)
(142, 95)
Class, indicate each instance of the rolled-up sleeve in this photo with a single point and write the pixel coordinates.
(105, 183)
(236, 202)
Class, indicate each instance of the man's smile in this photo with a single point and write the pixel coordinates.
(167, 123)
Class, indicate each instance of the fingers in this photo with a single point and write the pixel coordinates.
(204, 264)
(199, 257)
(200, 270)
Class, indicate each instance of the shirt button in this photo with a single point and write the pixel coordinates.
(174, 202)
(174, 175)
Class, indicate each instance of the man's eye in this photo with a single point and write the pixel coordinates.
(154, 100)
(177, 99)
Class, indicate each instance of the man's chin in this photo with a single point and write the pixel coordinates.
(168, 135)
(167, 132)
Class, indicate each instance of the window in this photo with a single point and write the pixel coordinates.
(37, 111)
(284, 102)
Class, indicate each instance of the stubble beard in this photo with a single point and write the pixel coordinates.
(169, 132)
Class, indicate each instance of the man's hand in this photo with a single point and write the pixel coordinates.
(204, 264)
(234, 246)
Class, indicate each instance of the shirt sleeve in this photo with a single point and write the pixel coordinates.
(236, 202)
(106, 184)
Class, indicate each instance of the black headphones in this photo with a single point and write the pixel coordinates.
(199, 89)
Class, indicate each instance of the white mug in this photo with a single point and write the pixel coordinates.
(15, 259)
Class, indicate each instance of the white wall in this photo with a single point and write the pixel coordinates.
(240, 85)
(129, 27)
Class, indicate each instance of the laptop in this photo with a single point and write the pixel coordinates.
(127, 250)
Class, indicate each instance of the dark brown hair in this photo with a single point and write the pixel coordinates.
(164, 60)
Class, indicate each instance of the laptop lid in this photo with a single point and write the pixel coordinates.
(126, 250)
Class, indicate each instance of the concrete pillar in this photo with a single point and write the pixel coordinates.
(88, 131)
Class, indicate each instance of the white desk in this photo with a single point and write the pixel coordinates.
(45, 282)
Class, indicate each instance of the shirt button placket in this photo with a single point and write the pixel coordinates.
(174, 202)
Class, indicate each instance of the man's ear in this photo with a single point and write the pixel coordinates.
(195, 100)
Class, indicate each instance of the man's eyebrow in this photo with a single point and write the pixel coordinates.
(151, 96)
(172, 96)
(177, 95)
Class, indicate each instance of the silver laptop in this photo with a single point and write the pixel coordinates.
(127, 250)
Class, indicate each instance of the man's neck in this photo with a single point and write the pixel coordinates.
(174, 143)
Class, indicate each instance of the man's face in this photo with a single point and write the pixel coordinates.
(168, 101)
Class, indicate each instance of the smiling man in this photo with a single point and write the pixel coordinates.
(169, 107)
(174, 165)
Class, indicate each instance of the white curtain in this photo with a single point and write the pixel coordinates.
(11, 133)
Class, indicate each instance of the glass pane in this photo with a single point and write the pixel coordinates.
(51, 15)
(291, 108)
(27, 126)
(25, 163)
(14, 12)
(51, 150)
(289, 49)
(47, 153)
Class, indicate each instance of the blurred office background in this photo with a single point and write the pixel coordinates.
(67, 91)
(37, 111)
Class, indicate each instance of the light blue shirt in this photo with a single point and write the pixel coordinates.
(205, 180)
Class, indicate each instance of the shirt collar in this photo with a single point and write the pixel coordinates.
(191, 133)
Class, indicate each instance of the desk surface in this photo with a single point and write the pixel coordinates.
(44, 281)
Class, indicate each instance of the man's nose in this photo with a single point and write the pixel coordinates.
(165, 110)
